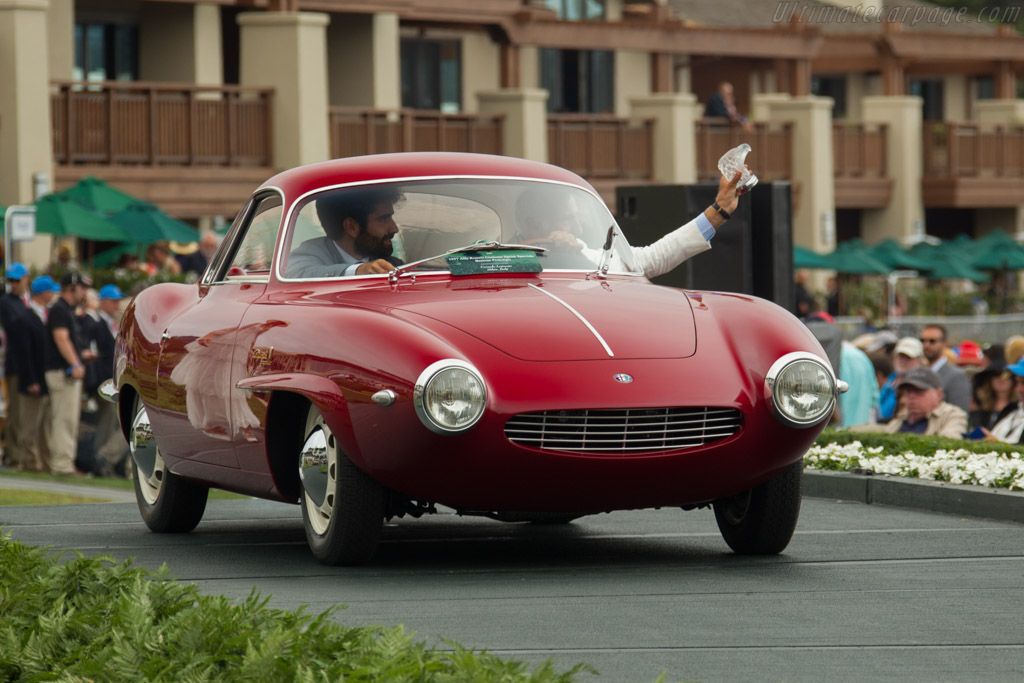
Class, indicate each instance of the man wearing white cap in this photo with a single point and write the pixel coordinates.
(906, 355)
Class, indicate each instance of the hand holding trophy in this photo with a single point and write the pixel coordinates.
(733, 161)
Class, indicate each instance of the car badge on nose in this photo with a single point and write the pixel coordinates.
(623, 378)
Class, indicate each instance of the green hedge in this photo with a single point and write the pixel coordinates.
(921, 445)
(92, 618)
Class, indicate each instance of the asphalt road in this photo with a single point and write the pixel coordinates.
(862, 593)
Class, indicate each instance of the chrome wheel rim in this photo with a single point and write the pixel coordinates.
(318, 471)
(149, 464)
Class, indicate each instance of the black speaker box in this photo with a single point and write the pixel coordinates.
(751, 254)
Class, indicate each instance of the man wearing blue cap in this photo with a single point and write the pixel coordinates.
(110, 446)
(13, 305)
(34, 402)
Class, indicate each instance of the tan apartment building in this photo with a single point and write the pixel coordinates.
(891, 120)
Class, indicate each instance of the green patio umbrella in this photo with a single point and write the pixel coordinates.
(145, 223)
(893, 254)
(949, 265)
(856, 259)
(806, 258)
(58, 214)
(95, 194)
(997, 254)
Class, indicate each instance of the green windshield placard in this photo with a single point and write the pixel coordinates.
(498, 261)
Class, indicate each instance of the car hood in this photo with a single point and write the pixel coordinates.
(558, 320)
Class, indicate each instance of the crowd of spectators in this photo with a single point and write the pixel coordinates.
(58, 334)
(58, 343)
(927, 386)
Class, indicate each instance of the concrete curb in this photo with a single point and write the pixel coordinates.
(916, 494)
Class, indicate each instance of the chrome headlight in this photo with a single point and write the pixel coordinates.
(449, 396)
(803, 389)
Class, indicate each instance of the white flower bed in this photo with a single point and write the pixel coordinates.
(998, 470)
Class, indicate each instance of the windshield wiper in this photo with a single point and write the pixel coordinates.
(606, 254)
(488, 245)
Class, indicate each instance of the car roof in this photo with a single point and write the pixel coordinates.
(298, 181)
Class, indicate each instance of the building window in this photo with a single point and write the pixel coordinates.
(578, 81)
(931, 92)
(834, 87)
(986, 88)
(432, 75)
(106, 52)
(577, 10)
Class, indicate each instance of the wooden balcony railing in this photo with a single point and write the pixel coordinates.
(859, 150)
(972, 150)
(599, 146)
(355, 131)
(771, 147)
(159, 124)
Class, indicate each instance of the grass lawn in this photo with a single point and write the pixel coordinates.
(26, 497)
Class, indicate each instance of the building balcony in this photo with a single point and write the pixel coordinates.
(861, 175)
(973, 165)
(355, 131)
(195, 150)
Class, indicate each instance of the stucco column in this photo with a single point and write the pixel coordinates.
(363, 60)
(1004, 113)
(25, 142)
(904, 217)
(192, 33)
(1000, 112)
(60, 24)
(526, 120)
(287, 51)
(25, 145)
(814, 212)
(761, 104)
(675, 153)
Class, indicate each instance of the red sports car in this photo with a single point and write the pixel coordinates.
(510, 360)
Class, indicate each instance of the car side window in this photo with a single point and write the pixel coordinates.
(255, 247)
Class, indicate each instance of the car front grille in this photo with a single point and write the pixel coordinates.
(623, 431)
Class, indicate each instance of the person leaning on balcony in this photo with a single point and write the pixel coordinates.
(550, 218)
(722, 105)
(359, 226)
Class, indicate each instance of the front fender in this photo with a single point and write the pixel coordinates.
(323, 393)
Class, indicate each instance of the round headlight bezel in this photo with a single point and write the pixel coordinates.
(431, 373)
(787, 363)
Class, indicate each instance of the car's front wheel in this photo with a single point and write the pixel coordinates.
(342, 507)
(761, 521)
(168, 503)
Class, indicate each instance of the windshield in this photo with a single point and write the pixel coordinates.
(412, 221)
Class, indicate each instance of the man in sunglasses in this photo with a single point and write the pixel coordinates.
(956, 385)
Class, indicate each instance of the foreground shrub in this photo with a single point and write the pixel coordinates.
(95, 619)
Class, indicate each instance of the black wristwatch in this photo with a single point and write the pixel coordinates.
(721, 212)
